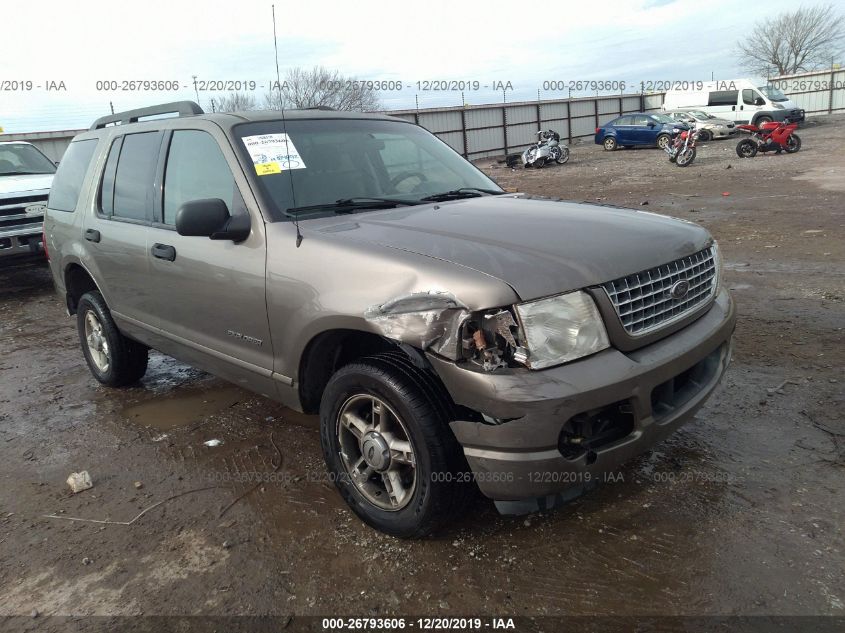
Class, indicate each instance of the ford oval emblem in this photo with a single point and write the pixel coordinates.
(35, 209)
(679, 289)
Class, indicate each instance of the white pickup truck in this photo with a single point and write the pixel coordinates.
(25, 179)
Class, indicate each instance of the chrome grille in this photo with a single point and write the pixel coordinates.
(644, 301)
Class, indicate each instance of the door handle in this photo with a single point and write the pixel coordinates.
(164, 251)
(92, 235)
(733, 108)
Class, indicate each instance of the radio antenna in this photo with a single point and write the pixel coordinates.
(284, 122)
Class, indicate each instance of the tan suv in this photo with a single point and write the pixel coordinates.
(451, 336)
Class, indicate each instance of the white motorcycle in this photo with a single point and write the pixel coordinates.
(547, 148)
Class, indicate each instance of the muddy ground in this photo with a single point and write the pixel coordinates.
(741, 512)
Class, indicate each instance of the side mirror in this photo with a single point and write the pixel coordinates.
(651, 124)
(210, 218)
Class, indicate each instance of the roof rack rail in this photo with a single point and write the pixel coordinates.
(322, 107)
(183, 108)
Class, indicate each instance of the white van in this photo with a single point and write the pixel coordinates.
(739, 100)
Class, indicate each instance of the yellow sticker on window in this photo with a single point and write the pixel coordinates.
(265, 169)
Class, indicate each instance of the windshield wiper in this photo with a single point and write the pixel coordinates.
(24, 173)
(463, 192)
(348, 205)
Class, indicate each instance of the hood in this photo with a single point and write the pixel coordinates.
(24, 184)
(539, 247)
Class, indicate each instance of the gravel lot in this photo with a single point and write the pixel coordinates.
(741, 512)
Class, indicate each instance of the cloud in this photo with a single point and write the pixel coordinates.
(82, 43)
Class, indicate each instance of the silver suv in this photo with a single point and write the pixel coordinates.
(452, 337)
(25, 178)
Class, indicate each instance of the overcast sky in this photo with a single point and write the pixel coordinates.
(81, 42)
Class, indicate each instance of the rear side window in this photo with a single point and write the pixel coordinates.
(106, 198)
(723, 98)
(196, 169)
(133, 179)
(67, 183)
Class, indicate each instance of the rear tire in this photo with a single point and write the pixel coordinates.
(564, 156)
(411, 414)
(609, 143)
(115, 360)
(793, 144)
(746, 148)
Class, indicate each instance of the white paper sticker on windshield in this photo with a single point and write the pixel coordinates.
(273, 153)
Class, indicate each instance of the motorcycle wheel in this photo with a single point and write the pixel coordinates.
(564, 156)
(686, 157)
(746, 149)
(793, 143)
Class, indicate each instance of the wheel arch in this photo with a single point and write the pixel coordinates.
(328, 351)
(77, 281)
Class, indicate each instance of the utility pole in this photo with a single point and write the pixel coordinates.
(111, 105)
(196, 90)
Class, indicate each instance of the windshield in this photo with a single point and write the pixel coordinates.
(22, 158)
(322, 161)
(773, 93)
(663, 118)
(701, 116)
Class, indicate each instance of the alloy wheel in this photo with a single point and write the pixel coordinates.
(98, 346)
(376, 452)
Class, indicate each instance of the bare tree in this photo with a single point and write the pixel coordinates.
(237, 102)
(796, 41)
(320, 87)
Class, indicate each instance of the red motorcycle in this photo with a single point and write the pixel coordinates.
(773, 136)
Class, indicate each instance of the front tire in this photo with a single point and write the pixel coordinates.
(705, 135)
(609, 143)
(793, 144)
(115, 360)
(663, 141)
(387, 445)
(685, 157)
(763, 119)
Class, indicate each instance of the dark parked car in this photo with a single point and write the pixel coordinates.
(640, 128)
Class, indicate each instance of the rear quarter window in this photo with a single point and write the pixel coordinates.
(67, 183)
(723, 98)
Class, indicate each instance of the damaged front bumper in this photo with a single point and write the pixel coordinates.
(559, 431)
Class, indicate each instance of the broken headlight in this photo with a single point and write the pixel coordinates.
(561, 328)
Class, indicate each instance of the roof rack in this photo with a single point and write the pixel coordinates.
(183, 108)
(322, 107)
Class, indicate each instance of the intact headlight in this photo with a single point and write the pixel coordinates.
(561, 328)
(720, 265)
(777, 106)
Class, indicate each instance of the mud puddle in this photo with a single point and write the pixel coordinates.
(185, 407)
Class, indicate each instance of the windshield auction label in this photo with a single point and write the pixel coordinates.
(273, 153)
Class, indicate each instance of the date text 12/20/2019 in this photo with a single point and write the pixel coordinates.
(421, 624)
